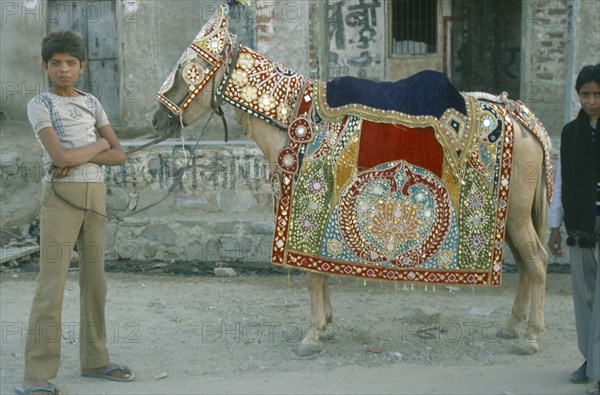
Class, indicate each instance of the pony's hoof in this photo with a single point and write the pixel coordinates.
(306, 350)
(526, 348)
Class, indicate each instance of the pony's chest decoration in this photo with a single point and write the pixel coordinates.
(263, 88)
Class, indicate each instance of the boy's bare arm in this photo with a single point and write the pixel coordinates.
(115, 155)
(68, 157)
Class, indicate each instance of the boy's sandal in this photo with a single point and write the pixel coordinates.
(106, 373)
(50, 389)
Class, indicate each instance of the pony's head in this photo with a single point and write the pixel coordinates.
(189, 91)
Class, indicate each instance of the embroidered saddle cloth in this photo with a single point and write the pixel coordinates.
(385, 195)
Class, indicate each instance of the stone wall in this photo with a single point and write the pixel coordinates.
(220, 212)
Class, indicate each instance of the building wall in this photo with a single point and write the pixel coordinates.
(559, 38)
(544, 60)
(152, 34)
(151, 37)
(402, 66)
(282, 29)
(583, 48)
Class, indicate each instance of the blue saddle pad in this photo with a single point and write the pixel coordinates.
(425, 93)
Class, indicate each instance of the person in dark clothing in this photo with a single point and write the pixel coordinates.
(576, 202)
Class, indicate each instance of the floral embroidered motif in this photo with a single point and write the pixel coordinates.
(395, 223)
(316, 186)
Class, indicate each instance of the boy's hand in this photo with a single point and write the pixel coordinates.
(103, 143)
(59, 172)
(555, 242)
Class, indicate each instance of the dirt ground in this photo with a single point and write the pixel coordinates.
(214, 335)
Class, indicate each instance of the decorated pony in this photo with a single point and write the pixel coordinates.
(403, 181)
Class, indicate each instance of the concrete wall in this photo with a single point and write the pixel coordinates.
(21, 76)
(583, 49)
(281, 32)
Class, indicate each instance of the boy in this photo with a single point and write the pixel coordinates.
(66, 121)
(577, 200)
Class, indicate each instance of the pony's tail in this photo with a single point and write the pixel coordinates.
(539, 211)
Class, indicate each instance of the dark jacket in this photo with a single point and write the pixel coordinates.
(580, 164)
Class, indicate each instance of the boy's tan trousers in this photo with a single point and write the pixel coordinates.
(61, 227)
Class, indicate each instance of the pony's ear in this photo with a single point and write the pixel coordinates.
(214, 35)
(218, 21)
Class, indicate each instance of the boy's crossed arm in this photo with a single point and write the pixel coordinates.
(106, 150)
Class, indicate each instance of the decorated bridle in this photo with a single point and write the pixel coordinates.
(214, 46)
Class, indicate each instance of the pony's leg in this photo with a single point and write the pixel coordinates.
(520, 308)
(311, 343)
(327, 302)
(532, 263)
(525, 225)
(328, 311)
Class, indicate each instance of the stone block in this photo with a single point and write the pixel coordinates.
(225, 272)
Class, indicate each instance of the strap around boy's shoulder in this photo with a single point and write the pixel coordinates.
(43, 97)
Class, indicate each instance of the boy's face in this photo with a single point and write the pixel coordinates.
(64, 70)
(589, 97)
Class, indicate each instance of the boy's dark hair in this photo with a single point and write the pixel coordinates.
(588, 74)
(63, 41)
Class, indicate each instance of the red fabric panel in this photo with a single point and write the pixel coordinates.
(381, 143)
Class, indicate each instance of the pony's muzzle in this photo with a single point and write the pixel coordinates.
(165, 125)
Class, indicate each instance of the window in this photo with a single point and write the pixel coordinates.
(414, 27)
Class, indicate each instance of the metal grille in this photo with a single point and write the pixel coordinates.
(414, 27)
